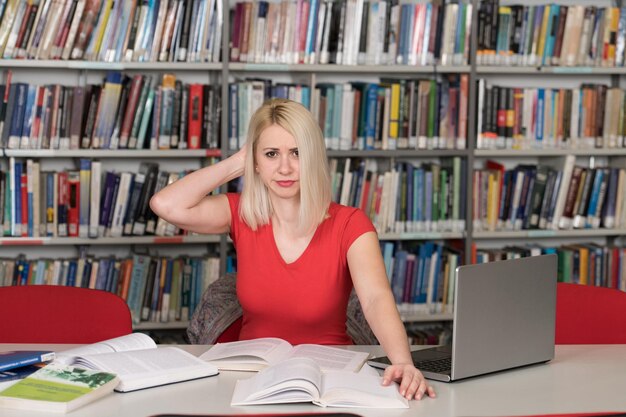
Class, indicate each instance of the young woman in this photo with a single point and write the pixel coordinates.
(298, 253)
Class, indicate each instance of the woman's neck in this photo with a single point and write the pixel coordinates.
(286, 212)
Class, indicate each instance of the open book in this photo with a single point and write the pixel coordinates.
(58, 388)
(298, 380)
(138, 362)
(256, 354)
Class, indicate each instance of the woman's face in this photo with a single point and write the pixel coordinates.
(277, 163)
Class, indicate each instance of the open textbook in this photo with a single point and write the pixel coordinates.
(138, 362)
(257, 354)
(298, 380)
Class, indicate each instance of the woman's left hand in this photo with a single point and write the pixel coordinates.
(412, 382)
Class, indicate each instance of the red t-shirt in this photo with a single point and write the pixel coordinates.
(304, 301)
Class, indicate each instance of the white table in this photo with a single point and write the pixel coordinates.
(584, 378)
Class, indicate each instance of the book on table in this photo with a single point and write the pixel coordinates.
(138, 362)
(58, 388)
(16, 374)
(299, 380)
(257, 354)
(17, 358)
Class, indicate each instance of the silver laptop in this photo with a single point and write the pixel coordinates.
(504, 317)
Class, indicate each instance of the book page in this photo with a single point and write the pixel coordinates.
(370, 370)
(329, 358)
(348, 389)
(133, 341)
(292, 380)
(149, 367)
(268, 349)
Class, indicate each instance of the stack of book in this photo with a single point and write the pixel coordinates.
(550, 35)
(157, 289)
(81, 203)
(123, 112)
(592, 116)
(580, 263)
(351, 32)
(111, 31)
(563, 196)
(422, 276)
(408, 198)
(392, 114)
(18, 364)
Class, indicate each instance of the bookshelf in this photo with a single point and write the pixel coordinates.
(587, 254)
(227, 72)
(90, 71)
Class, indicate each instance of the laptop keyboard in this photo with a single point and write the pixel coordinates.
(437, 365)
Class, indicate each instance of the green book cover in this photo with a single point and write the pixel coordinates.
(58, 388)
(456, 191)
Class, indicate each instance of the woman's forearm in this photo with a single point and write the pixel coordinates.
(184, 194)
(383, 317)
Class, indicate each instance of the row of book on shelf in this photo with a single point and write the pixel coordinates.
(553, 196)
(124, 112)
(162, 289)
(422, 276)
(429, 333)
(352, 32)
(550, 35)
(90, 202)
(156, 288)
(85, 202)
(317, 31)
(592, 116)
(112, 31)
(392, 114)
(578, 263)
(142, 112)
(428, 197)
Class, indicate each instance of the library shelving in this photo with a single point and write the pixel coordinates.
(452, 71)
(578, 66)
(192, 66)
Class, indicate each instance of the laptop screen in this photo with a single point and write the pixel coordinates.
(504, 315)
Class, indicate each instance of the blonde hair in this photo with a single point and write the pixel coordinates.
(255, 206)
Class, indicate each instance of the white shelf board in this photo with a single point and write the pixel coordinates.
(421, 236)
(526, 70)
(540, 233)
(514, 153)
(111, 153)
(425, 318)
(333, 68)
(124, 240)
(155, 325)
(110, 66)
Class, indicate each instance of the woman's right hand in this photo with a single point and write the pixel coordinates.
(241, 156)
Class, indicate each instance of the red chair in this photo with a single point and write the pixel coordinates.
(589, 315)
(59, 314)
